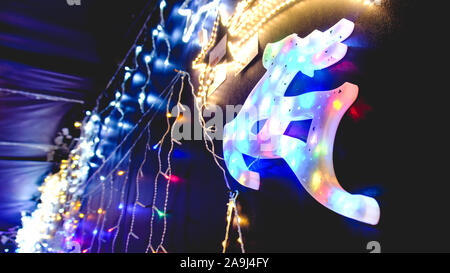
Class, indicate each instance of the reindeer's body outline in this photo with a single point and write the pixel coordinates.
(311, 161)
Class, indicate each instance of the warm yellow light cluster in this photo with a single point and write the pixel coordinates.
(253, 18)
(207, 47)
(250, 23)
(61, 183)
(57, 204)
(370, 2)
(39, 226)
(207, 73)
(231, 207)
(199, 63)
(240, 8)
(247, 19)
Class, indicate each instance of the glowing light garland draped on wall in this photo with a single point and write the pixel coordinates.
(58, 216)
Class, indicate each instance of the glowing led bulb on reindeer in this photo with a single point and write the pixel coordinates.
(310, 160)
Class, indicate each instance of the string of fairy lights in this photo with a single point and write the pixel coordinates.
(67, 208)
(48, 213)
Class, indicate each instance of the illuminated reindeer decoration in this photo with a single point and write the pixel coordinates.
(266, 107)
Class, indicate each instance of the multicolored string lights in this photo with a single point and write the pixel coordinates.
(92, 204)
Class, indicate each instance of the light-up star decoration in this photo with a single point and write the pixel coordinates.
(266, 108)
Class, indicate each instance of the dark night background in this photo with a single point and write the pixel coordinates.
(387, 147)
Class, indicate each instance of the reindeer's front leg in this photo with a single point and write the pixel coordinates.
(233, 145)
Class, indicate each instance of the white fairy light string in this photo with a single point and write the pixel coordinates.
(168, 173)
(99, 217)
(108, 206)
(117, 166)
(122, 209)
(115, 104)
(114, 170)
(136, 201)
(86, 155)
(122, 64)
(111, 156)
(233, 195)
(159, 172)
(231, 207)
